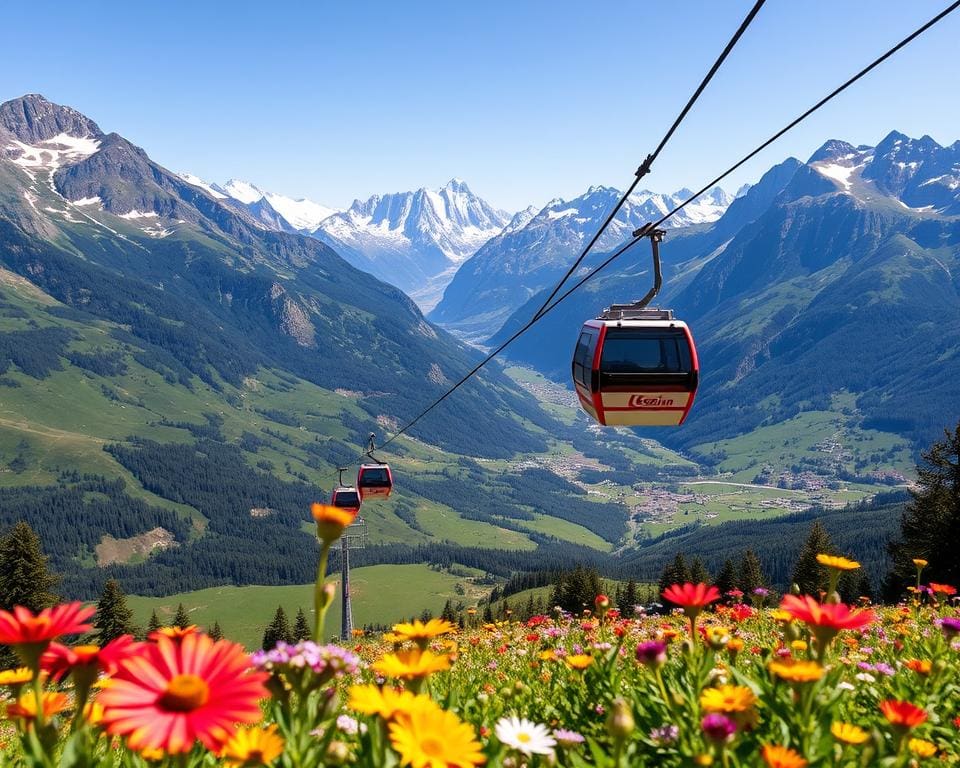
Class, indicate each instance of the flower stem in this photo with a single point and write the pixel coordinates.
(320, 599)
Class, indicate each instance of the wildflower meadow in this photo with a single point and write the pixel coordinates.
(721, 680)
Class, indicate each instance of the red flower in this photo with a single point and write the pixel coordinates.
(740, 612)
(23, 627)
(59, 660)
(903, 714)
(175, 693)
(691, 595)
(942, 589)
(828, 616)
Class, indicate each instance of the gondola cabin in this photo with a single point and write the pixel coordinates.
(374, 481)
(346, 497)
(636, 368)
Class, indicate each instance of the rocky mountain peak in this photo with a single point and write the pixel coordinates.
(833, 150)
(32, 119)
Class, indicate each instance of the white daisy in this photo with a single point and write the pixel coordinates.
(524, 736)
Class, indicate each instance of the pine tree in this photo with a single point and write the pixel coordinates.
(181, 619)
(114, 617)
(628, 599)
(215, 632)
(448, 614)
(676, 572)
(930, 526)
(154, 624)
(811, 577)
(24, 577)
(698, 572)
(727, 578)
(751, 575)
(301, 628)
(278, 630)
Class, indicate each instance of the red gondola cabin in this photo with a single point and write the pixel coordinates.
(639, 369)
(346, 497)
(374, 481)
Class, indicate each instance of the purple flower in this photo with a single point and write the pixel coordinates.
(328, 660)
(761, 591)
(950, 627)
(885, 669)
(665, 734)
(652, 653)
(567, 738)
(718, 728)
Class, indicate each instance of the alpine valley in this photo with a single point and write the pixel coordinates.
(184, 365)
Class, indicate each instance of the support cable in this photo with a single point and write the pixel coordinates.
(644, 231)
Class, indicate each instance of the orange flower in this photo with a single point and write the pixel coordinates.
(24, 628)
(331, 520)
(26, 706)
(920, 666)
(173, 694)
(903, 714)
(174, 633)
(781, 757)
(796, 671)
(689, 595)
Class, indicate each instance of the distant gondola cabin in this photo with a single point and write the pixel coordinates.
(346, 497)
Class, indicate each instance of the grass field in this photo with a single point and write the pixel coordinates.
(381, 594)
(833, 439)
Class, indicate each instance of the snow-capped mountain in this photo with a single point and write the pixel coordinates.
(918, 174)
(301, 215)
(413, 239)
(534, 249)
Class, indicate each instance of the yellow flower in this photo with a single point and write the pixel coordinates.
(703, 759)
(578, 661)
(547, 655)
(728, 698)
(93, 712)
(420, 632)
(17, 676)
(799, 646)
(781, 757)
(778, 614)
(838, 563)
(26, 706)
(920, 562)
(255, 746)
(848, 733)
(717, 637)
(796, 671)
(429, 737)
(922, 747)
(385, 702)
(153, 754)
(735, 645)
(331, 521)
(411, 664)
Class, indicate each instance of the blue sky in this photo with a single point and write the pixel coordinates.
(525, 100)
